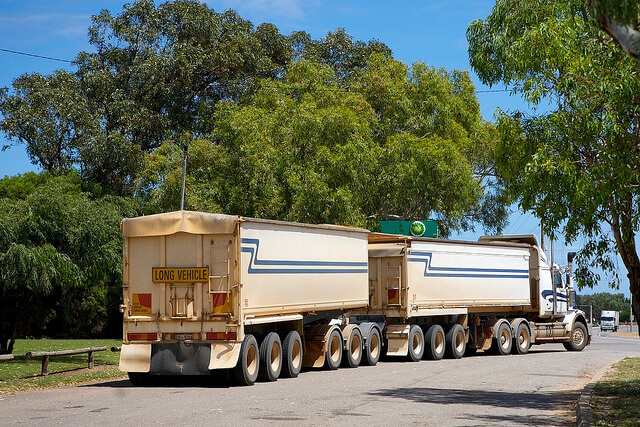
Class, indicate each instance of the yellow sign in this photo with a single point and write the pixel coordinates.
(180, 275)
(141, 304)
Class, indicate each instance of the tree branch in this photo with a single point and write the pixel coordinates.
(626, 34)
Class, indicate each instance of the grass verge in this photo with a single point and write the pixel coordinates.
(21, 374)
(614, 400)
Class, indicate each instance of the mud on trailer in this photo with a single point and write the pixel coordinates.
(209, 292)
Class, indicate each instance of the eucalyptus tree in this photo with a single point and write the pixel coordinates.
(577, 166)
(60, 260)
(49, 115)
(396, 143)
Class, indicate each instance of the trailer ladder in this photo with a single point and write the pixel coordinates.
(394, 285)
(219, 279)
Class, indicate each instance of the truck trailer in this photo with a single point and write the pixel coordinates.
(444, 297)
(207, 293)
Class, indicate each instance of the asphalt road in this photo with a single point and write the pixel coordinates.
(539, 388)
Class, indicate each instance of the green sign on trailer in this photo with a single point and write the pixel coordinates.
(422, 228)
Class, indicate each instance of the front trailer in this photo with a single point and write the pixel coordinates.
(207, 292)
(450, 298)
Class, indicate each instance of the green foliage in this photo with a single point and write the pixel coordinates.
(276, 126)
(60, 261)
(577, 167)
(20, 186)
(304, 149)
(606, 301)
(347, 59)
(50, 115)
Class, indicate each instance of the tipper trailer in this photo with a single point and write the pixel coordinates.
(444, 297)
(204, 292)
(207, 292)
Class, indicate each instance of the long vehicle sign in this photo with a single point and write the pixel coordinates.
(180, 275)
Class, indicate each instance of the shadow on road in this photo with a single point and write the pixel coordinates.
(560, 403)
(205, 381)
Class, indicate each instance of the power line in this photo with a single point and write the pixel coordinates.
(493, 90)
(36, 56)
(15, 52)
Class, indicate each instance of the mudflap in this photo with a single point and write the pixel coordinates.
(180, 358)
(135, 357)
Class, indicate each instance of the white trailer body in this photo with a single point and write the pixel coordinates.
(486, 287)
(196, 284)
(609, 320)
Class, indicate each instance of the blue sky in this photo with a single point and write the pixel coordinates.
(431, 31)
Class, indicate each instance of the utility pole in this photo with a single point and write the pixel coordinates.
(184, 175)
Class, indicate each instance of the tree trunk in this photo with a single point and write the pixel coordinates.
(625, 240)
(626, 34)
(634, 287)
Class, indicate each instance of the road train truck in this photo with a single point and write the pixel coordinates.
(258, 299)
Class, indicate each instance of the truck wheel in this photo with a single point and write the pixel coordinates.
(578, 338)
(416, 343)
(333, 356)
(455, 342)
(374, 348)
(292, 351)
(270, 357)
(522, 342)
(502, 340)
(354, 350)
(435, 343)
(246, 371)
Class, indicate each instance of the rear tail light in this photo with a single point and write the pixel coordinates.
(221, 336)
(143, 337)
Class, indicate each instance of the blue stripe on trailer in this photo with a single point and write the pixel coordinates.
(487, 273)
(252, 246)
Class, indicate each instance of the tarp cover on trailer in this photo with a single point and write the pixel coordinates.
(179, 221)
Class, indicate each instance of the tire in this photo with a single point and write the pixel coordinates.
(578, 338)
(502, 341)
(247, 369)
(373, 348)
(435, 343)
(293, 354)
(333, 356)
(270, 358)
(353, 355)
(456, 342)
(139, 379)
(522, 341)
(416, 343)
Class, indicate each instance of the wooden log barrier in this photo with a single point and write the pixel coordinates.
(45, 355)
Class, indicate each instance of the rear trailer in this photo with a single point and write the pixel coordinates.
(206, 292)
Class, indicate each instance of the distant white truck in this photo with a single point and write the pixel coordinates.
(609, 320)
